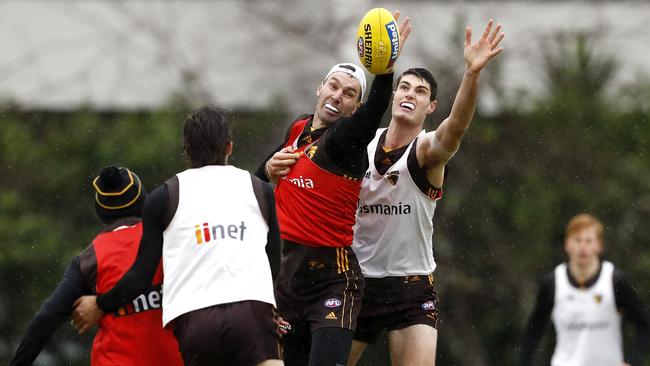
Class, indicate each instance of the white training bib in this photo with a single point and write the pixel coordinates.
(214, 247)
(394, 228)
(587, 323)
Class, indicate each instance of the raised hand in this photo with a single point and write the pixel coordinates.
(404, 28)
(478, 54)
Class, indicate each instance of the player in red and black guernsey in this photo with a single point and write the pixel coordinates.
(587, 299)
(215, 227)
(320, 284)
(393, 231)
(132, 335)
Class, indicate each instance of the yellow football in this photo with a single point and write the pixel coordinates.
(378, 41)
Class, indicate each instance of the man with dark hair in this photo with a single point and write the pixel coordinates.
(586, 298)
(320, 285)
(215, 227)
(132, 334)
(400, 190)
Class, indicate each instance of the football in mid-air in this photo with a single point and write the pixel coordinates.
(378, 41)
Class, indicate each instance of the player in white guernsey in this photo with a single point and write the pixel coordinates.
(215, 227)
(393, 231)
(586, 298)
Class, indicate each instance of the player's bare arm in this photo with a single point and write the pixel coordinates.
(435, 150)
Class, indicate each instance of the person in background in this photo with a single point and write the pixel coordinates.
(587, 298)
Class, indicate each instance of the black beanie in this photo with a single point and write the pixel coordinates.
(118, 193)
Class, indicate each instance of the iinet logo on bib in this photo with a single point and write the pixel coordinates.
(206, 232)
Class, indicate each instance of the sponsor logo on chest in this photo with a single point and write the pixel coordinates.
(206, 232)
(301, 182)
(384, 209)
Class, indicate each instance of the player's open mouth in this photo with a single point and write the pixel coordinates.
(407, 105)
(331, 108)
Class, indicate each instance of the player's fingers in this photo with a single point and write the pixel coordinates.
(288, 149)
(486, 32)
(494, 33)
(468, 36)
(496, 42)
(396, 14)
(83, 329)
(494, 52)
(405, 30)
(278, 164)
(403, 25)
(282, 172)
(285, 155)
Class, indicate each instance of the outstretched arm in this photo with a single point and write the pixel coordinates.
(348, 138)
(55, 311)
(437, 148)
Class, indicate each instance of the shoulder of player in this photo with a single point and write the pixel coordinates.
(298, 123)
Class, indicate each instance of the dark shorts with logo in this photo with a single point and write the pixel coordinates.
(239, 333)
(319, 287)
(393, 303)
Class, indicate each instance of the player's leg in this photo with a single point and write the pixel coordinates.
(297, 345)
(413, 346)
(335, 295)
(413, 335)
(357, 350)
(289, 284)
(330, 347)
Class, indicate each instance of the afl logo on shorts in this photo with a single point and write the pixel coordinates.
(429, 305)
(332, 303)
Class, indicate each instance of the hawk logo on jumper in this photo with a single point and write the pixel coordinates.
(316, 265)
(151, 300)
(301, 182)
(332, 303)
(206, 233)
(434, 193)
(428, 306)
(393, 177)
(391, 28)
(312, 151)
(331, 316)
(598, 298)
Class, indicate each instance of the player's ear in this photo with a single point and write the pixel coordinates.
(320, 87)
(356, 106)
(432, 106)
(229, 148)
